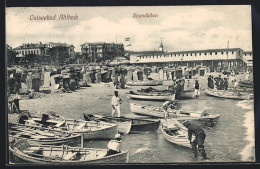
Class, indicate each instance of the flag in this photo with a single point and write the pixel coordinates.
(127, 39)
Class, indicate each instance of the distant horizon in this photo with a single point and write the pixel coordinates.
(181, 28)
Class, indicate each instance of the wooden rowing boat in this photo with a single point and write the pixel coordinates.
(157, 97)
(203, 116)
(144, 125)
(42, 136)
(144, 83)
(175, 132)
(228, 94)
(64, 154)
(136, 124)
(91, 130)
(123, 124)
(188, 94)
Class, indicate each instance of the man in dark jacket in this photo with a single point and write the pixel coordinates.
(194, 129)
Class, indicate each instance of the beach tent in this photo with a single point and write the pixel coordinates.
(130, 75)
(135, 76)
(140, 75)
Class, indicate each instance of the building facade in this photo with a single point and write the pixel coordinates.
(229, 58)
(102, 52)
(40, 49)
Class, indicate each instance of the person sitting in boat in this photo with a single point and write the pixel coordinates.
(114, 145)
(167, 106)
(194, 129)
(196, 89)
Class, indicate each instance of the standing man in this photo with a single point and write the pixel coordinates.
(196, 89)
(115, 103)
(199, 139)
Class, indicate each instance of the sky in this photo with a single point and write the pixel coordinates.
(180, 27)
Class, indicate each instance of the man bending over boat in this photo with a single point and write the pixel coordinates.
(199, 139)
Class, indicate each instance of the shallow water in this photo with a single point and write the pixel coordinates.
(232, 140)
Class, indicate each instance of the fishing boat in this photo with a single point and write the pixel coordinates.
(228, 94)
(144, 125)
(203, 115)
(247, 84)
(42, 136)
(175, 132)
(187, 94)
(136, 124)
(45, 154)
(157, 96)
(144, 83)
(123, 124)
(91, 130)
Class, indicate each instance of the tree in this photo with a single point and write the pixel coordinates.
(11, 56)
(59, 54)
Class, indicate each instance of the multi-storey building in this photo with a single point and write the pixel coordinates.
(230, 58)
(41, 49)
(102, 52)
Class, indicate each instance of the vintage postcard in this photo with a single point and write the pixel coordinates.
(130, 84)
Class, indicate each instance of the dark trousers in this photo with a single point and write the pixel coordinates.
(199, 141)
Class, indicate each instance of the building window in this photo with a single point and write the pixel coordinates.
(210, 53)
(200, 54)
(23, 52)
(205, 53)
(191, 54)
(195, 54)
(222, 53)
(37, 51)
(227, 52)
(232, 52)
(216, 53)
(182, 54)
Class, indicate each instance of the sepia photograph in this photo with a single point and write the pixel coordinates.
(130, 84)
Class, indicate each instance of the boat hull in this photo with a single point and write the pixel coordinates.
(228, 95)
(144, 125)
(144, 83)
(180, 138)
(151, 97)
(68, 138)
(57, 155)
(202, 116)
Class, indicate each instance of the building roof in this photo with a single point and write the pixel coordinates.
(30, 46)
(100, 43)
(198, 51)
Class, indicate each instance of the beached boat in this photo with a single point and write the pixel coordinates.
(144, 125)
(124, 125)
(153, 111)
(158, 97)
(44, 154)
(144, 83)
(188, 94)
(175, 132)
(247, 84)
(228, 94)
(42, 136)
(136, 124)
(91, 130)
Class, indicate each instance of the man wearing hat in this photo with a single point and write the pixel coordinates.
(115, 103)
(196, 89)
(114, 145)
(194, 129)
